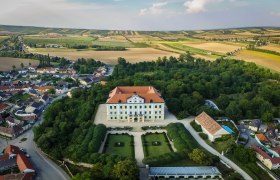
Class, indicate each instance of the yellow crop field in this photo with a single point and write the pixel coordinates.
(132, 54)
(214, 46)
(272, 47)
(263, 59)
(6, 63)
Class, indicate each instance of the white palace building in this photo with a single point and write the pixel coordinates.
(135, 104)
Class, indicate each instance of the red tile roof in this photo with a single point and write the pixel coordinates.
(23, 163)
(3, 106)
(208, 123)
(274, 160)
(12, 150)
(261, 137)
(122, 93)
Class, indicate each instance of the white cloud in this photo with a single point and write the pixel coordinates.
(197, 6)
(155, 9)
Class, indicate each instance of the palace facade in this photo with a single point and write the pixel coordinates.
(135, 104)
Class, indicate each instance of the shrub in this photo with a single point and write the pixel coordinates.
(196, 127)
(203, 136)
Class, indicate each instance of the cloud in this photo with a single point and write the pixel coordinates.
(197, 6)
(155, 9)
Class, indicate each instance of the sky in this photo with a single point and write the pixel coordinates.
(141, 14)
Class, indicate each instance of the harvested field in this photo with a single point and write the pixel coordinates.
(213, 46)
(6, 63)
(132, 55)
(263, 59)
(272, 47)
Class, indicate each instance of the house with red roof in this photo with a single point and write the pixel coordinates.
(210, 127)
(270, 159)
(135, 104)
(13, 157)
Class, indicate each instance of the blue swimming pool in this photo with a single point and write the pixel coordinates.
(227, 129)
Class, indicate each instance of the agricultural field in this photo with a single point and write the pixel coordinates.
(155, 144)
(121, 145)
(132, 54)
(271, 47)
(6, 63)
(214, 47)
(2, 38)
(59, 39)
(263, 59)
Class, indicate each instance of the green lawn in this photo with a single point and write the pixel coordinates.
(155, 144)
(125, 148)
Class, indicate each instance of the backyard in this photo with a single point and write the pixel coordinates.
(155, 144)
(120, 144)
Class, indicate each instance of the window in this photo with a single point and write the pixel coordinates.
(111, 112)
(135, 107)
(155, 117)
(145, 106)
(155, 112)
(115, 117)
(111, 117)
(150, 106)
(110, 107)
(140, 107)
(159, 112)
(115, 112)
(115, 107)
(159, 106)
(121, 107)
(121, 117)
(155, 106)
(159, 117)
(125, 107)
(150, 117)
(130, 107)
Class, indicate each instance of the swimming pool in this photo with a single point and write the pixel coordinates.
(227, 129)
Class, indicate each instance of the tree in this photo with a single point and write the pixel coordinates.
(14, 67)
(97, 171)
(267, 117)
(197, 155)
(22, 65)
(51, 91)
(125, 170)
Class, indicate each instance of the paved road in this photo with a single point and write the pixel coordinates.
(213, 151)
(45, 168)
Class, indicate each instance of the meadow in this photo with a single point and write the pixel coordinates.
(7, 63)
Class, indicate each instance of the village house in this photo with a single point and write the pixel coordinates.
(254, 125)
(4, 107)
(270, 159)
(135, 104)
(86, 81)
(210, 126)
(14, 157)
(48, 70)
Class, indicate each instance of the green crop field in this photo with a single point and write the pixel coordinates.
(155, 144)
(121, 145)
(64, 41)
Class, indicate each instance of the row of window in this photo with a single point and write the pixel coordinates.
(126, 117)
(145, 112)
(130, 107)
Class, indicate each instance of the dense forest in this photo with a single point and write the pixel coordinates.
(240, 89)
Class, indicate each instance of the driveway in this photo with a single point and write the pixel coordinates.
(213, 151)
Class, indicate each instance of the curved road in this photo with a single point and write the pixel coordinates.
(213, 151)
(44, 167)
